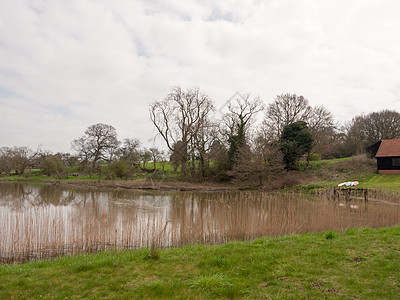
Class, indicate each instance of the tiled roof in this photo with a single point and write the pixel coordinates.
(389, 148)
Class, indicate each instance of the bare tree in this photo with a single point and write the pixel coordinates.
(384, 124)
(353, 137)
(69, 159)
(98, 143)
(290, 108)
(156, 156)
(52, 165)
(130, 153)
(324, 131)
(179, 118)
(286, 109)
(22, 158)
(366, 129)
(145, 156)
(241, 112)
(6, 164)
(257, 165)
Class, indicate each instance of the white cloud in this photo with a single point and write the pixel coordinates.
(65, 65)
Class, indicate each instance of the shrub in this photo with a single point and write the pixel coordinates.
(315, 157)
(117, 169)
(329, 235)
(53, 166)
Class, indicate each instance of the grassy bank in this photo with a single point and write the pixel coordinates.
(311, 175)
(326, 173)
(358, 263)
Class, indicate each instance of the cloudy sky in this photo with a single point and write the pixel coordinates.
(65, 65)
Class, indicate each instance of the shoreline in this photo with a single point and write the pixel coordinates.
(134, 184)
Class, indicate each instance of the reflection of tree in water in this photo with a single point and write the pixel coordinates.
(94, 219)
(217, 217)
(19, 195)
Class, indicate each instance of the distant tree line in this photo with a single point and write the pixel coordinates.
(97, 152)
(241, 145)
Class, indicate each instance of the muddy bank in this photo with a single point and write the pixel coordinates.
(150, 185)
(136, 184)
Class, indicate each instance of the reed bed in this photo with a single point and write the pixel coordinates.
(122, 220)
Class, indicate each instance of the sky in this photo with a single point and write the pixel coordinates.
(65, 65)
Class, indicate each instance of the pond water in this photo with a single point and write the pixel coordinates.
(38, 221)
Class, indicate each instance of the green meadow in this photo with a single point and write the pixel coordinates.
(382, 181)
(355, 264)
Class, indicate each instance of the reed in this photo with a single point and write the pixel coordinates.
(98, 221)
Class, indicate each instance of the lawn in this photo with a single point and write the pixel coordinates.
(382, 181)
(357, 263)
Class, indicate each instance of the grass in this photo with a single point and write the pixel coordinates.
(382, 181)
(370, 181)
(37, 175)
(319, 164)
(357, 263)
(324, 173)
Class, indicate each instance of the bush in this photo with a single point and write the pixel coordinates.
(117, 169)
(315, 157)
(291, 179)
(329, 235)
(356, 164)
(53, 166)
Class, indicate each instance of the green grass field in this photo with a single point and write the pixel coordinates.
(358, 263)
(382, 181)
(371, 181)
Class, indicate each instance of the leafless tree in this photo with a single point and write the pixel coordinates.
(69, 159)
(201, 147)
(6, 164)
(98, 143)
(324, 131)
(242, 111)
(130, 153)
(384, 124)
(52, 165)
(286, 109)
(22, 158)
(156, 156)
(366, 129)
(257, 165)
(179, 117)
(145, 156)
(289, 108)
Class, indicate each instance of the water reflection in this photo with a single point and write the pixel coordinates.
(47, 220)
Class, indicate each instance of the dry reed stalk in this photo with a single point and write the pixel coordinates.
(33, 232)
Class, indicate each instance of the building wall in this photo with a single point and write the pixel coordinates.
(386, 164)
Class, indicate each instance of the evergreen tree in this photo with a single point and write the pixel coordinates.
(296, 140)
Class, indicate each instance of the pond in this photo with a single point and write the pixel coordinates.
(39, 220)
